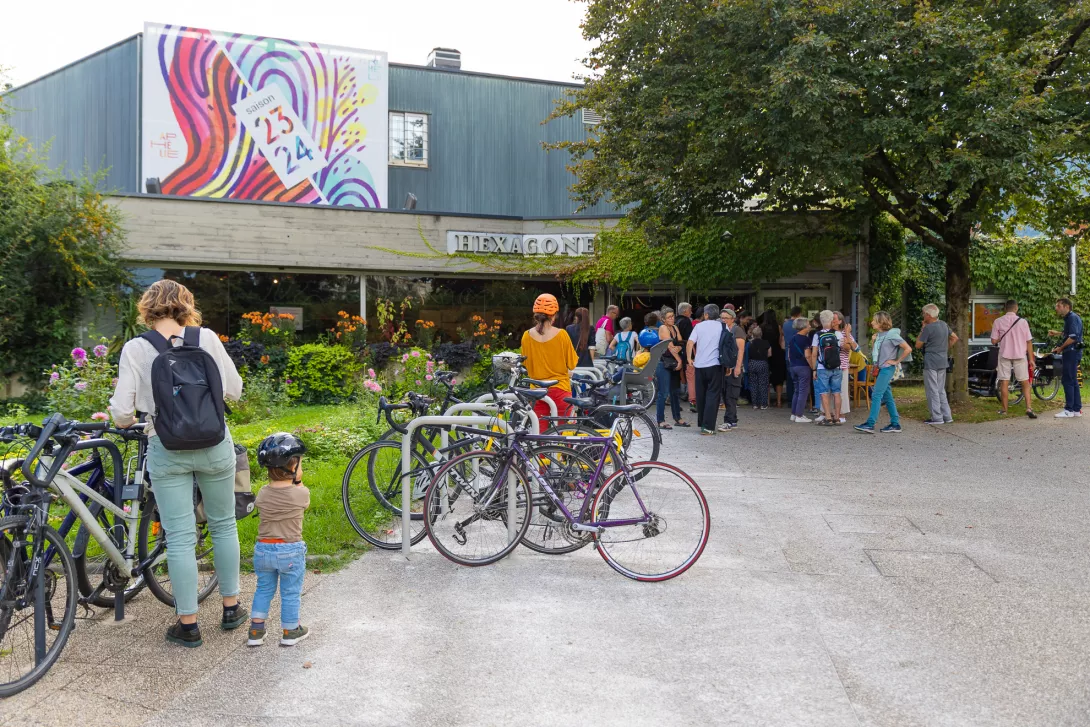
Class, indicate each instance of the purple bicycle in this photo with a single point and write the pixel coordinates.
(481, 504)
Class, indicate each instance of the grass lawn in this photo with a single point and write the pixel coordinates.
(912, 405)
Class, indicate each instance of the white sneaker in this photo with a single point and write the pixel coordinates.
(819, 419)
(792, 417)
(843, 420)
(1065, 414)
(1077, 413)
(802, 420)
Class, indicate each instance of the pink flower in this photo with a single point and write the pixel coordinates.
(80, 363)
(428, 355)
(80, 386)
(405, 358)
(78, 354)
(429, 377)
(287, 381)
(371, 373)
(418, 382)
(100, 351)
(416, 354)
(100, 416)
(54, 377)
(113, 382)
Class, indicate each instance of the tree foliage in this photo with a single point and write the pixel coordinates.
(59, 244)
(952, 116)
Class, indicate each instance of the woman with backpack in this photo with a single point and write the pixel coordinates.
(180, 374)
(625, 345)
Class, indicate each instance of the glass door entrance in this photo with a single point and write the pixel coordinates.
(812, 302)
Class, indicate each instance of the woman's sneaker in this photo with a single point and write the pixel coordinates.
(189, 638)
(892, 429)
(864, 428)
(257, 635)
(294, 636)
(234, 617)
(802, 420)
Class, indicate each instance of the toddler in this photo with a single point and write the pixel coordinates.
(280, 553)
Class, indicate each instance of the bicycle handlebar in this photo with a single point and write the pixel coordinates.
(49, 426)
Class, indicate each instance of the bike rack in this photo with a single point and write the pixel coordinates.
(406, 449)
(593, 371)
(484, 406)
(484, 399)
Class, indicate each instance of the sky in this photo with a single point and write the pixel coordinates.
(529, 38)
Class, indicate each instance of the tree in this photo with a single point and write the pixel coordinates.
(955, 117)
(59, 251)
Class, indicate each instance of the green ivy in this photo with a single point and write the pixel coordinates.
(320, 374)
(1035, 272)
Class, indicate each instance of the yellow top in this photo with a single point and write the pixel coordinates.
(553, 359)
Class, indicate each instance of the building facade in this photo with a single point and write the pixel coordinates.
(276, 174)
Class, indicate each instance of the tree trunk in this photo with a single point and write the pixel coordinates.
(958, 289)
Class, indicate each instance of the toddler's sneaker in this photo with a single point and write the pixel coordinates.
(257, 635)
(294, 636)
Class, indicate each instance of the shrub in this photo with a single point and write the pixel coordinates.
(81, 388)
(320, 374)
(380, 354)
(412, 372)
(263, 396)
(457, 356)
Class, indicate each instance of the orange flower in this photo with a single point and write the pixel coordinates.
(264, 359)
(224, 338)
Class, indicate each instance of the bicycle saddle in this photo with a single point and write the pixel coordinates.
(619, 409)
(583, 377)
(535, 394)
(579, 403)
(542, 382)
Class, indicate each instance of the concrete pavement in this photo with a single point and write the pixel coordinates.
(936, 577)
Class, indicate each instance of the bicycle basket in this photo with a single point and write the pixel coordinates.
(504, 366)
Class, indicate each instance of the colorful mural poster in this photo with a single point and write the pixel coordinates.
(247, 117)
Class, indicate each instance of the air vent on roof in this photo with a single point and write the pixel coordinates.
(450, 58)
(591, 118)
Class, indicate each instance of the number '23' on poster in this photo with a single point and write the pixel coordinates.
(281, 136)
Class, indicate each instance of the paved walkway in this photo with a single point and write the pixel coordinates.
(937, 577)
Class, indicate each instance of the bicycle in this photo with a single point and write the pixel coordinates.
(37, 569)
(478, 506)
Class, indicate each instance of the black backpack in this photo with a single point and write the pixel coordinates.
(728, 348)
(829, 350)
(188, 392)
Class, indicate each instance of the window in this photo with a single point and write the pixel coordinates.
(408, 139)
(590, 118)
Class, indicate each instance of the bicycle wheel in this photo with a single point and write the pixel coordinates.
(92, 563)
(20, 665)
(1046, 388)
(664, 542)
(1014, 392)
(371, 494)
(641, 440)
(570, 474)
(152, 543)
(470, 517)
(643, 394)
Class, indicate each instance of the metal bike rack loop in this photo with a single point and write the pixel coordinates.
(512, 397)
(406, 450)
(483, 406)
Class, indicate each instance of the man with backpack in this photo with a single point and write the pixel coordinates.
(825, 360)
(732, 346)
(702, 349)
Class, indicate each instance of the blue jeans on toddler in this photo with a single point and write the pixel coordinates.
(288, 563)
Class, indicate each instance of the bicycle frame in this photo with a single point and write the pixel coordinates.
(578, 523)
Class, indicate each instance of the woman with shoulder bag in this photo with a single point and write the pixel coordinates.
(175, 337)
(668, 374)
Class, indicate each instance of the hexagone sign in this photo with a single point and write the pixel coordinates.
(515, 244)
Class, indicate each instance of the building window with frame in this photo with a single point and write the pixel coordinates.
(408, 139)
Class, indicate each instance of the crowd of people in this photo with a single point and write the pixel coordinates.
(716, 357)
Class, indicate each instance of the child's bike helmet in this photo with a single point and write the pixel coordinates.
(277, 450)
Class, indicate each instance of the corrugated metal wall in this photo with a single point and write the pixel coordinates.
(485, 141)
(485, 134)
(89, 113)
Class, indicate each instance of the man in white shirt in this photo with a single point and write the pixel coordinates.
(702, 349)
